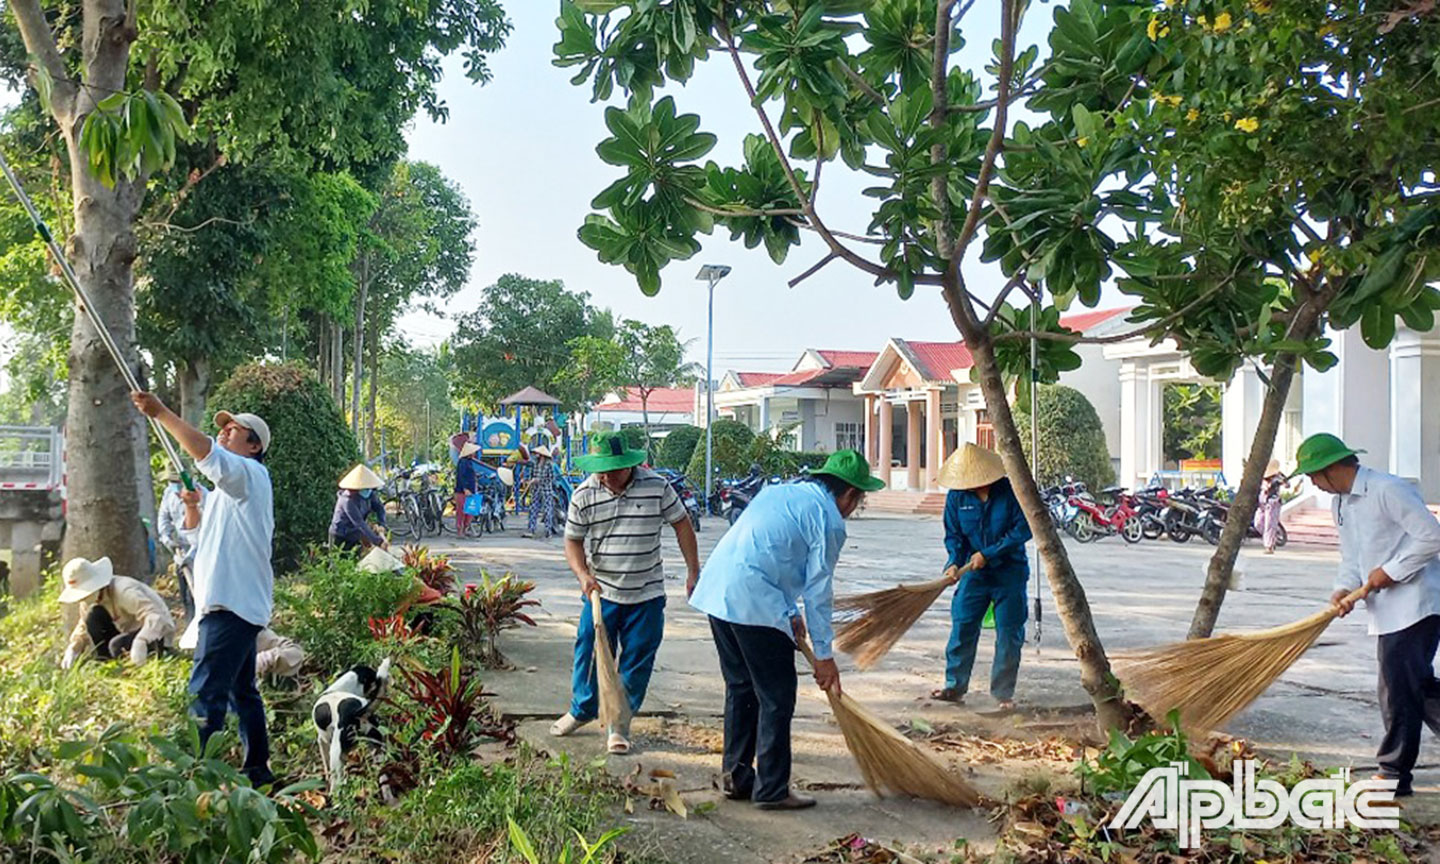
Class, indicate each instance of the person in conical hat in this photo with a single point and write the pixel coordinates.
(467, 483)
(358, 500)
(986, 532)
(542, 498)
(1267, 515)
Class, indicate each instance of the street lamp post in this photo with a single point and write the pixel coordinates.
(711, 273)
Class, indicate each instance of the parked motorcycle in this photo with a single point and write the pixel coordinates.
(743, 492)
(1185, 513)
(1095, 520)
(687, 494)
(1219, 512)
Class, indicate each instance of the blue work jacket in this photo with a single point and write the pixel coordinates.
(996, 528)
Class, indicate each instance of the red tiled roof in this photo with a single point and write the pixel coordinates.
(795, 379)
(936, 360)
(757, 379)
(859, 359)
(1083, 321)
(679, 400)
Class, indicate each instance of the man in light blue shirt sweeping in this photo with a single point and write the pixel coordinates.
(234, 582)
(781, 550)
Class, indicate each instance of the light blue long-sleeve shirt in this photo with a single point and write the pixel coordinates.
(781, 550)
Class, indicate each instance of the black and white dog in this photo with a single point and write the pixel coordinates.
(342, 716)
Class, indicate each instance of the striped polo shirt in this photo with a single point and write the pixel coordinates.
(622, 533)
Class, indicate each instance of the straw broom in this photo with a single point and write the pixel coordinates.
(1211, 680)
(885, 616)
(889, 760)
(614, 704)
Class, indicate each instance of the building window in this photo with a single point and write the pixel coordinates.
(984, 431)
(847, 436)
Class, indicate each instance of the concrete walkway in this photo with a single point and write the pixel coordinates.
(1324, 708)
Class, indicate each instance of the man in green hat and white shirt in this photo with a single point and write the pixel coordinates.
(1389, 541)
(612, 544)
(780, 552)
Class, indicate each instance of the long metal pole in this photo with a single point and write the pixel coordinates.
(710, 393)
(1035, 447)
(89, 309)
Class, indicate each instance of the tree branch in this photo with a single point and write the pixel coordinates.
(40, 42)
(997, 136)
(1163, 323)
(830, 256)
(1015, 281)
(741, 210)
(840, 249)
(213, 220)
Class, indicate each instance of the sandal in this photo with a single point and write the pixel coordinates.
(948, 694)
(566, 725)
(1006, 704)
(617, 744)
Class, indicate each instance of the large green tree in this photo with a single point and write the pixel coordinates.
(519, 336)
(416, 249)
(1274, 166)
(869, 84)
(652, 357)
(122, 83)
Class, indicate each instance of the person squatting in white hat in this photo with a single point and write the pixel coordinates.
(118, 615)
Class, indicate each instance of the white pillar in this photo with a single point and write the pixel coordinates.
(1415, 410)
(764, 414)
(1240, 407)
(1136, 422)
(1352, 399)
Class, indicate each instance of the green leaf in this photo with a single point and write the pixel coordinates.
(1085, 123)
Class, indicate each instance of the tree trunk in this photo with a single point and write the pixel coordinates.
(337, 365)
(194, 375)
(374, 345)
(1111, 709)
(103, 510)
(359, 359)
(1242, 508)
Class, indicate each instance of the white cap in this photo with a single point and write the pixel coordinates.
(248, 421)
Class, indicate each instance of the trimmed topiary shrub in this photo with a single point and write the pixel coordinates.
(635, 438)
(678, 446)
(1072, 439)
(731, 443)
(311, 447)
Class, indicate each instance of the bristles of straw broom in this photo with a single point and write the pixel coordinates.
(889, 760)
(1211, 680)
(884, 616)
(614, 704)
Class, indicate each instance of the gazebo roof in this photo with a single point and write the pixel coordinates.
(529, 396)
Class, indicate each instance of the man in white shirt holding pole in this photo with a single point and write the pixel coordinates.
(234, 582)
(1389, 541)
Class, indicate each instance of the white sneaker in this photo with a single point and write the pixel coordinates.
(565, 725)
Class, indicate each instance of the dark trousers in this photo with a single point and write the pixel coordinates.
(223, 679)
(635, 631)
(1409, 696)
(967, 611)
(109, 642)
(758, 665)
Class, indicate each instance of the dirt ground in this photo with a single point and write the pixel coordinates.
(1323, 709)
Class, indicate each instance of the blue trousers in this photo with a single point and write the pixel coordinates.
(967, 610)
(635, 631)
(222, 680)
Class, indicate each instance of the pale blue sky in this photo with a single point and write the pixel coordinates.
(523, 149)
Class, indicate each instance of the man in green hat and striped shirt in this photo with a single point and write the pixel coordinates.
(1389, 541)
(612, 543)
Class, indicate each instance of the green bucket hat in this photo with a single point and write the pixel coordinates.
(608, 453)
(851, 467)
(1319, 452)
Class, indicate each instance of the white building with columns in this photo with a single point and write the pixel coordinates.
(1384, 402)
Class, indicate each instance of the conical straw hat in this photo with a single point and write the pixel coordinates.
(361, 477)
(971, 467)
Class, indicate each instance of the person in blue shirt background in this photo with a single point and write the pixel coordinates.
(783, 548)
(985, 530)
(358, 500)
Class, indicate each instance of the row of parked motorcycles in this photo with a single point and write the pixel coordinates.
(1151, 513)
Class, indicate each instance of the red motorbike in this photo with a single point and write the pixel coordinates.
(1093, 520)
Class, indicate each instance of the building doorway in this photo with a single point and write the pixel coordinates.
(1192, 425)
